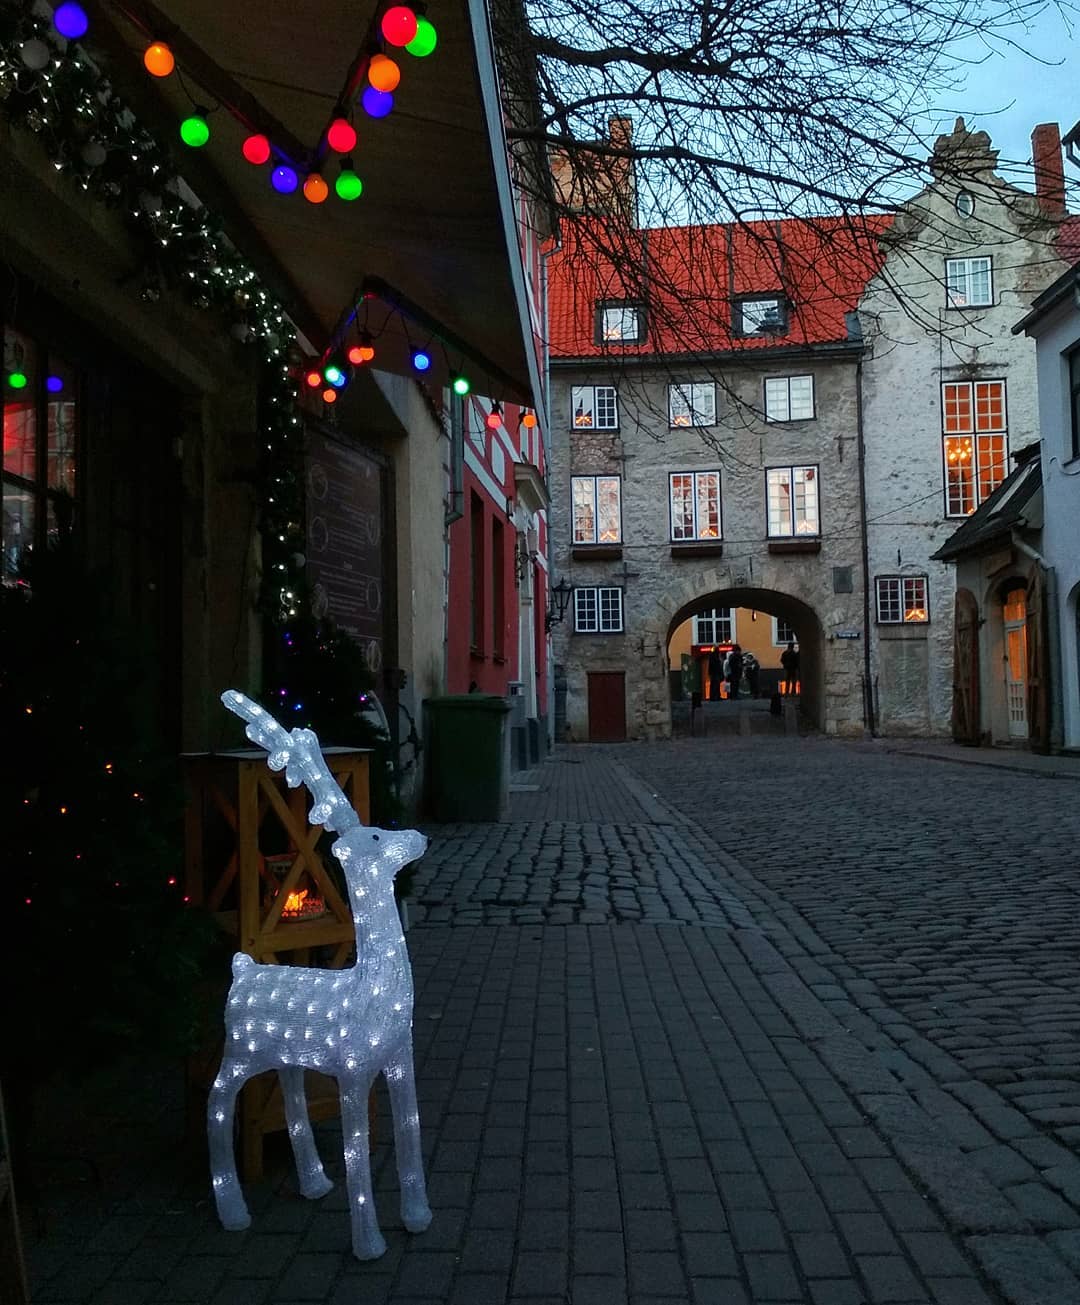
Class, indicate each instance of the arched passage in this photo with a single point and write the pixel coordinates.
(797, 614)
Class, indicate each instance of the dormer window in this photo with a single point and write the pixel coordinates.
(766, 315)
(620, 323)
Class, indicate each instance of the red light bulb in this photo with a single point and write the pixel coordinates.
(494, 421)
(256, 149)
(399, 25)
(341, 136)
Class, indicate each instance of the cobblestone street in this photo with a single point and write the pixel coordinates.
(805, 1032)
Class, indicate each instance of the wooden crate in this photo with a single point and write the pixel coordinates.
(240, 819)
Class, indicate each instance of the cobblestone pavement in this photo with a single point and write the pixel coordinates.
(681, 1041)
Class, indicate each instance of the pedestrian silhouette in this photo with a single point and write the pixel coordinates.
(733, 669)
(789, 660)
(716, 674)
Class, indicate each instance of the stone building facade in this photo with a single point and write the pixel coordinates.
(949, 396)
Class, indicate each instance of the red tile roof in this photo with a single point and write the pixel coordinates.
(689, 276)
(1068, 240)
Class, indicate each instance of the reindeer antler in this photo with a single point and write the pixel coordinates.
(299, 755)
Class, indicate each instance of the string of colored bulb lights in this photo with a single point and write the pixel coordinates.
(370, 84)
(51, 89)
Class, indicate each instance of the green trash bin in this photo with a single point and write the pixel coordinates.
(468, 745)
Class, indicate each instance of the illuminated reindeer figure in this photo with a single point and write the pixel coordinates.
(353, 1024)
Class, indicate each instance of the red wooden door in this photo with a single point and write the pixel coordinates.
(607, 706)
(965, 704)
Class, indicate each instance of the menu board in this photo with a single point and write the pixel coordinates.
(344, 540)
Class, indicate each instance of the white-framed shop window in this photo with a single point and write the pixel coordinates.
(717, 626)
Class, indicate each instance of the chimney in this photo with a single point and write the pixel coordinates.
(1049, 170)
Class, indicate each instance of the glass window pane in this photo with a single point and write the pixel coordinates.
(777, 407)
(18, 527)
(959, 477)
(678, 406)
(61, 400)
(806, 501)
(801, 390)
(609, 518)
(708, 505)
(584, 510)
(607, 416)
(581, 405)
(585, 609)
(682, 507)
(779, 482)
(20, 396)
(956, 408)
(989, 405)
(991, 464)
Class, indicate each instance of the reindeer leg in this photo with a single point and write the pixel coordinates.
(401, 1083)
(221, 1108)
(367, 1240)
(309, 1171)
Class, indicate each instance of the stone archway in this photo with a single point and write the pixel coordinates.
(831, 676)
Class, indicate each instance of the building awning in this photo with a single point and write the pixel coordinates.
(434, 231)
(1015, 504)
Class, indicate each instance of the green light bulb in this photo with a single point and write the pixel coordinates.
(424, 41)
(17, 380)
(462, 385)
(195, 131)
(348, 185)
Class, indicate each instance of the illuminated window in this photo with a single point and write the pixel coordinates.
(901, 600)
(598, 610)
(620, 324)
(792, 501)
(968, 283)
(39, 397)
(594, 407)
(692, 403)
(695, 505)
(597, 509)
(789, 398)
(975, 442)
(717, 626)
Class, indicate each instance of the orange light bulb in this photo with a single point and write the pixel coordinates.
(383, 73)
(315, 189)
(159, 60)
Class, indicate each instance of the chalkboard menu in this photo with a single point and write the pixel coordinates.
(345, 539)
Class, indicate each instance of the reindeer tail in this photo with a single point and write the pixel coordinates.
(241, 963)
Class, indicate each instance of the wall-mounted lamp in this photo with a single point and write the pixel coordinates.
(558, 602)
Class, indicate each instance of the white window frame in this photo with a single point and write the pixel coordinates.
(598, 406)
(620, 323)
(781, 405)
(691, 403)
(598, 609)
(806, 529)
(790, 637)
(750, 324)
(592, 485)
(707, 627)
(699, 483)
(902, 599)
(960, 282)
(975, 441)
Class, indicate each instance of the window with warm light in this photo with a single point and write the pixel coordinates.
(620, 324)
(968, 283)
(692, 403)
(792, 502)
(598, 610)
(695, 505)
(40, 403)
(975, 442)
(594, 407)
(901, 600)
(716, 626)
(597, 509)
(760, 316)
(789, 398)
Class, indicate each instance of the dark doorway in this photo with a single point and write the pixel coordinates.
(607, 706)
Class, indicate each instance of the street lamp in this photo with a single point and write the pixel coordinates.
(558, 601)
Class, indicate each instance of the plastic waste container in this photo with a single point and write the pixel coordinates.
(468, 756)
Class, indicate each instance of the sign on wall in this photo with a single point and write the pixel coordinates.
(345, 541)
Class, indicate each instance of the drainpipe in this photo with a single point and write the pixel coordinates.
(868, 697)
(1057, 706)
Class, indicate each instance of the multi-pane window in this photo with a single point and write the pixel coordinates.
(789, 398)
(695, 505)
(717, 626)
(783, 632)
(901, 599)
(594, 407)
(620, 324)
(968, 283)
(1074, 395)
(40, 409)
(692, 403)
(975, 434)
(598, 610)
(767, 316)
(792, 501)
(597, 509)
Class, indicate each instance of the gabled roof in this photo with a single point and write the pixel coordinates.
(1013, 504)
(1068, 240)
(689, 277)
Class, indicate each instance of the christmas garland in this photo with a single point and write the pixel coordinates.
(51, 88)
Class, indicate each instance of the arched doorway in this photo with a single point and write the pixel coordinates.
(780, 614)
(1014, 621)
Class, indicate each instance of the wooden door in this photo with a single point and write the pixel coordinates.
(965, 705)
(1038, 665)
(607, 706)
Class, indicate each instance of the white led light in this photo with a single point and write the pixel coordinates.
(376, 1032)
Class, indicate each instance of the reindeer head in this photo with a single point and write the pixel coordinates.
(369, 854)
